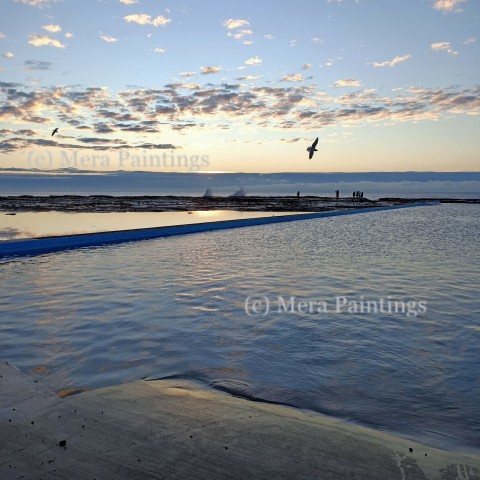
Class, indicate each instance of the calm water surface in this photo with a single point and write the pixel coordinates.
(46, 224)
(176, 306)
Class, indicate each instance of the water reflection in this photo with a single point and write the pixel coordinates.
(45, 224)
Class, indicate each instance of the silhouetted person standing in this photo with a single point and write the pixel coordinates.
(337, 194)
(298, 194)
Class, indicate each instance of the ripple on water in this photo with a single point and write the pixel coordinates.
(175, 306)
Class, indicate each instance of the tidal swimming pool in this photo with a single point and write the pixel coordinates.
(182, 306)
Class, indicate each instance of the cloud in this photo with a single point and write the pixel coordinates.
(443, 46)
(236, 30)
(269, 36)
(37, 65)
(128, 2)
(243, 35)
(160, 50)
(448, 5)
(254, 61)
(209, 70)
(37, 3)
(2, 36)
(69, 35)
(52, 28)
(144, 19)
(470, 41)
(232, 24)
(349, 82)
(393, 62)
(249, 77)
(8, 55)
(187, 74)
(188, 86)
(294, 77)
(317, 40)
(8, 131)
(15, 144)
(307, 66)
(38, 40)
(108, 38)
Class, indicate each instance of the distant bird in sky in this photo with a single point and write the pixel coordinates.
(54, 132)
(311, 150)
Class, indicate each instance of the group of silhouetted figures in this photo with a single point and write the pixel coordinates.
(355, 195)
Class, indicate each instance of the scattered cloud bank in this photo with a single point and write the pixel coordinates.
(95, 113)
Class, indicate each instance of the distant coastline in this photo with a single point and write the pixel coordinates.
(171, 203)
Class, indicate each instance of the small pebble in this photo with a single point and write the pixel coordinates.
(62, 443)
(410, 449)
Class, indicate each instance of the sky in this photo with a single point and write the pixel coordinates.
(240, 86)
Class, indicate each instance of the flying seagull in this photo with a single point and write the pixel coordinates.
(311, 150)
(54, 132)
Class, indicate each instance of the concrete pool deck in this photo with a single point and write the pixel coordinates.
(174, 429)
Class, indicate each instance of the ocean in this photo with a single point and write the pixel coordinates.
(371, 318)
(373, 184)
